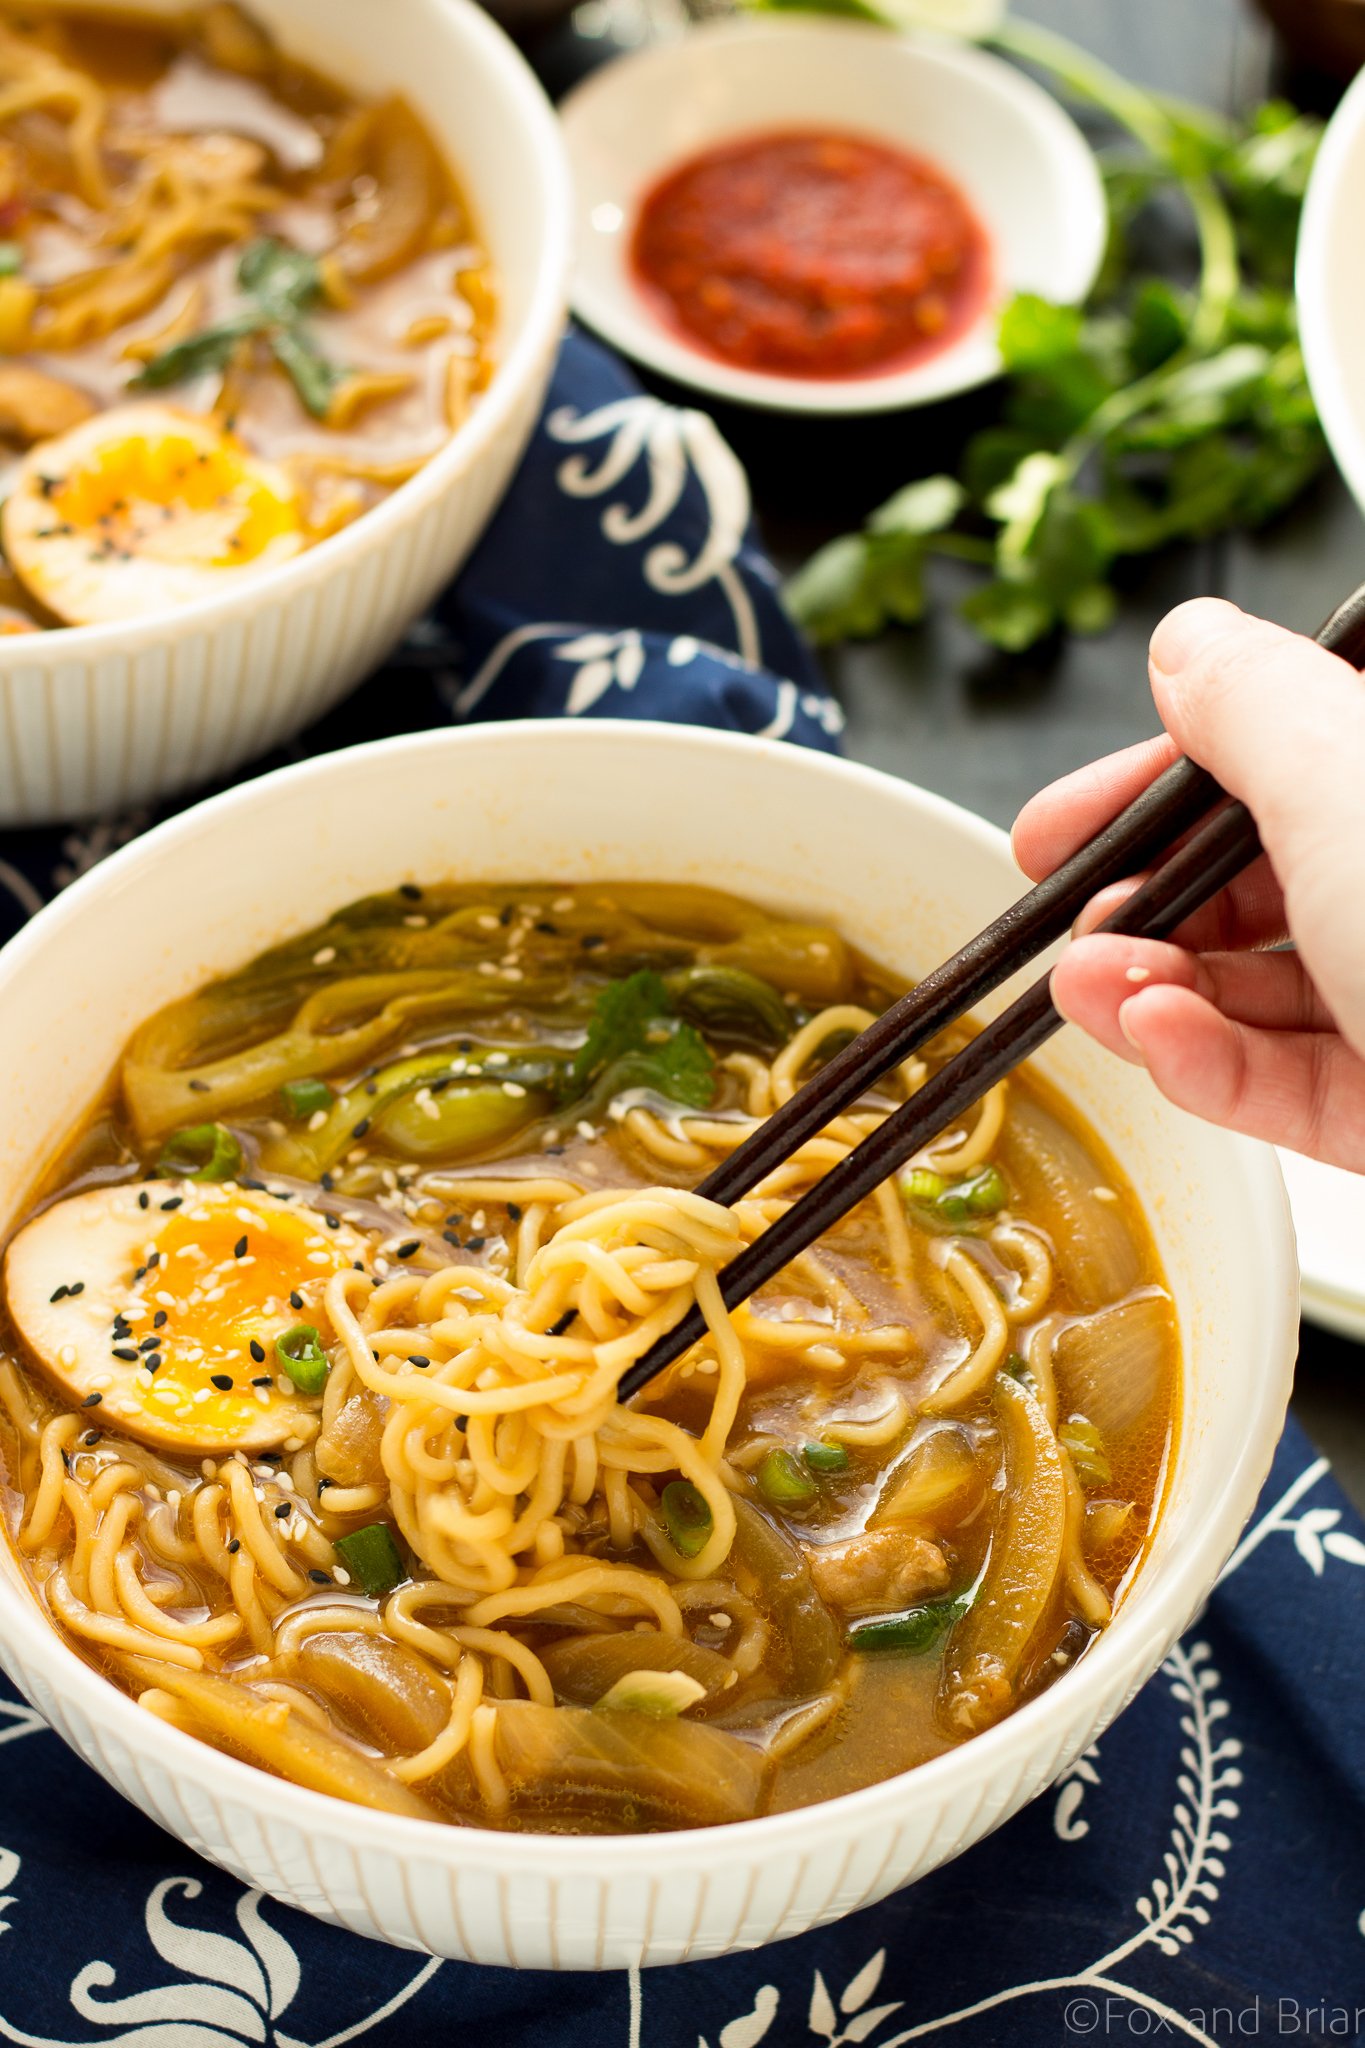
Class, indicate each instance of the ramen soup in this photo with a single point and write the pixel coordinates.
(238, 307)
(315, 1325)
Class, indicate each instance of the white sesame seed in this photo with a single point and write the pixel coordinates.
(416, 921)
(324, 956)
(487, 967)
(562, 903)
(513, 974)
(342, 1576)
(487, 923)
(512, 1088)
(316, 1121)
(585, 1129)
(496, 1059)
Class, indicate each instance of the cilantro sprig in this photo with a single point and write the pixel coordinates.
(280, 285)
(634, 1040)
(1154, 414)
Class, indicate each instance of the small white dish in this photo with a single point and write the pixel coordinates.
(1019, 160)
(1330, 286)
(1329, 1221)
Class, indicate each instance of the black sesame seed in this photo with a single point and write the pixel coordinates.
(506, 914)
(258, 1352)
(159, 1319)
(461, 1422)
(371, 1088)
(326, 1183)
(126, 1352)
(90, 1439)
(416, 1358)
(406, 1250)
(359, 1130)
(283, 1510)
(153, 1259)
(455, 1219)
(452, 1237)
(475, 1244)
(234, 1546)
(321, 1578)
(554, 1151)
(66, 1459)
(76, 1287)
(59, 1294)
(258, 1185)
(464, 1045)
(152, 1362)
(222, 1380)
(411, 891)
(296, 1299)
(332, 1222)
(144, 1200)
(264, 1382)
(543, 925)
(444, 1081)
(140, 1274)
(173, 1202)
(239, 1249)
(149, 1344)
(92, 1400)
(514, 1211)
(357, 1265)
(323, 1484)
(200, 1087)
(592, 942)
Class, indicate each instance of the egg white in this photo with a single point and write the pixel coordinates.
(87, 1280)
(142, 509)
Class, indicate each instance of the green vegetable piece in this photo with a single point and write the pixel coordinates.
(823, 1457)
(1088, 1455)
(911, 1634)
(299, 1352)
(687, 1517)
(305, 1098)
(371, 1557)
(954, 1203)
(313, 375)
(271, 270)
(729, 1002)
(200, 1152)
(782, 1483)
(634, 1041)
(210, 349)
(11, 259)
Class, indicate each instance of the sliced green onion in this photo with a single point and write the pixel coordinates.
(664, 1694)
(371, 1557)
(200, 1152)
(301, 1355)
(305, 1098)
(826, 1457)
(11, 259)
(1088, 1455)
(782, 1483)
(686, 1517)
(909, 1634)
(977, 1194)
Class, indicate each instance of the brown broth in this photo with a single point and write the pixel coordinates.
(889, 1713)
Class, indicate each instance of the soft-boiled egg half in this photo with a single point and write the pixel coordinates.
(141, 509)
(158, 1304)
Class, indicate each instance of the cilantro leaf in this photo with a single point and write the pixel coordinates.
(635, 1041)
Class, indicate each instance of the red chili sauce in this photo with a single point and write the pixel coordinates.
(812, 254)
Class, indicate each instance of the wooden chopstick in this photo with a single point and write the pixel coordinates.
(1218, 850)
(1165, 809)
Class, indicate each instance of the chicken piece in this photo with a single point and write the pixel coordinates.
(878, 1572)
(35, 407)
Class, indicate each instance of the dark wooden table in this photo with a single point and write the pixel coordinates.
(930, 703)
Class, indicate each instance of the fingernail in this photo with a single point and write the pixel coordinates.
(1183, 634)
(1126, 1026)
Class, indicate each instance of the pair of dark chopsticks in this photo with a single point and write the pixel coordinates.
(1217, 849)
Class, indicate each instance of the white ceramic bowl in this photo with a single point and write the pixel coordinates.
(908, 877)
(1330, 285)
(94, 718)
(1020, 160)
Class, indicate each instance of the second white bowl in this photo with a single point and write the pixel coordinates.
(96, 718)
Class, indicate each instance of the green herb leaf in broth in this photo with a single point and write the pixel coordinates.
(634, 1041)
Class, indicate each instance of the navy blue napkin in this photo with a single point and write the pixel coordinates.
(1198, 1875)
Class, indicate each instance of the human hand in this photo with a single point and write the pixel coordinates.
(1270, 1043)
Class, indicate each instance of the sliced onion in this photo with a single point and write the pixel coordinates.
(583, 1668)
(1055, 1180)
(785, 1591)
(666, 1770)
(380, 1691)
(987, 1648)
(939, 1480)
(1112, 1367)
